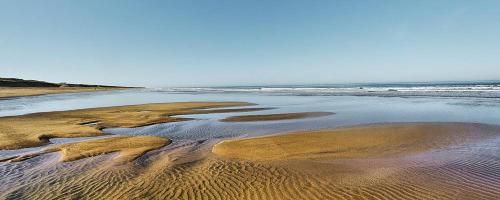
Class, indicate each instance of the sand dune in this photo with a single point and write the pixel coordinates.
(14, 87)
(273, 117)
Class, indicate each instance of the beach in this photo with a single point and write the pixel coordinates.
(10, 92)
(250, 100)
(387, 161)
(36, 129)
(302, 148)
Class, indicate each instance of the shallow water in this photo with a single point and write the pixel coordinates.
(361, 109)
(23, 151)
(32, 175)
(350, 110)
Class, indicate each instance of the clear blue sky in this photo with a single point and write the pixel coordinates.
(210, 42)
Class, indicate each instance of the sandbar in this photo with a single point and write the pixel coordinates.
(355, 142)
(275, 117)
(35, 129)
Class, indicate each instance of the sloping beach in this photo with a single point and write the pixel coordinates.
(438, 160)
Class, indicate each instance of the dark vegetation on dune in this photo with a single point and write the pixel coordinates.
(15, 82)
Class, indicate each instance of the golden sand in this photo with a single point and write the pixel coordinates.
(355, 142)
(35, 129)
(9, 92)
(400, 161)
(273, 117)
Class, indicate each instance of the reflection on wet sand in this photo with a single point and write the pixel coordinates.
(36, 129)
(128, 147)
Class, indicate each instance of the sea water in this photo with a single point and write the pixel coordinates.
(462, 102)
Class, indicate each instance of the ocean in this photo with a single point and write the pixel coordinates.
(484, 89)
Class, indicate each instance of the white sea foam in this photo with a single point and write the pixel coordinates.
(487, 90)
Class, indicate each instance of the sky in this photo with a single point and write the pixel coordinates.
(232, 42)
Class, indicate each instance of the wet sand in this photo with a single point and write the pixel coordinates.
(11, 92)
(35, 129)
(128, 148)
(356, 142)
(395, 161)
(385, 161)
(275, 117)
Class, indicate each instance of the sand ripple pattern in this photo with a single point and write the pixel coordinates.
(471, 178)
(469, 171)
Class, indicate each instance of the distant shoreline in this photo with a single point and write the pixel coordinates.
(15, 92)
(14, 87)
(17, 82)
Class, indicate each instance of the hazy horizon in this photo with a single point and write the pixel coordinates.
(236, 43)
(290, 84)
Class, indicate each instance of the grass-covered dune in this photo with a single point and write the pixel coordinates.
(14, 87)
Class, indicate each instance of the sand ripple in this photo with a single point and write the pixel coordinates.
(468, 170)
(226, 179)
